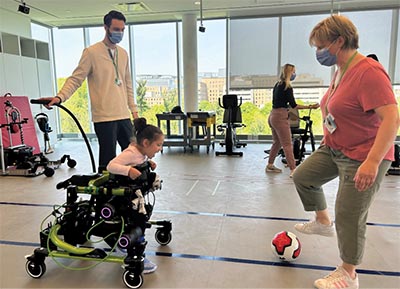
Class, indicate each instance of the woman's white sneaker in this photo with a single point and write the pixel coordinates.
(314, 227)
(338, 279)
(272, 169)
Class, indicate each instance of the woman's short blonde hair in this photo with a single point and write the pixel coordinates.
(331, 28)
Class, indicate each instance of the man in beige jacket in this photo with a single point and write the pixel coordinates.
(106, 67)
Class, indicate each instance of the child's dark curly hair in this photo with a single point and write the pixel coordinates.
(145, 131)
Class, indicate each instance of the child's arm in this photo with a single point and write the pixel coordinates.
(153, 165)
(122, 165)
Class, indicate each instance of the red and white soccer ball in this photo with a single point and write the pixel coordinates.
(286, 246)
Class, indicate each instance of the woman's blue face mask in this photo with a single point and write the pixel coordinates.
(293, 76)
(324, 57)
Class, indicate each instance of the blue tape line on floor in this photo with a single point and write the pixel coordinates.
(235, 260)
(212, 215)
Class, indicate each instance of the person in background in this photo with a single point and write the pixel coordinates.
(360, 124)
(373, 56)
(106, 67)
(278, 119)
(148, 141)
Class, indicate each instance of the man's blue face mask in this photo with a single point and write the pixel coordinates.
(115, 36)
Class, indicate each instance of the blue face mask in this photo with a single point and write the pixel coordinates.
(293, 76)
(324, 57)
(115, 36)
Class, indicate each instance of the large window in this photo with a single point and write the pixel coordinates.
(374, 29)
(253, 52)
(155, 68)
(256, 48)
(68, 47)
(40, 32)
(312, 78)
(297, 50)
(211, 53)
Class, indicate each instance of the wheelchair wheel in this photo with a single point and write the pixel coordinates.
(71, 163)
(132, 280)
(48, 172)
(35, 269)
(163, 237)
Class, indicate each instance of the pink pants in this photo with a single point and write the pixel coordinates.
(281, 136)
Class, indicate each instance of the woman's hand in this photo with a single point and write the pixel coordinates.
(365, 175)
(314, 106)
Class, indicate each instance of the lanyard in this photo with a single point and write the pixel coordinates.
(115, 63)
(333, 87)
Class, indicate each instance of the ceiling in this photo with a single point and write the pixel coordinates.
(69, 13)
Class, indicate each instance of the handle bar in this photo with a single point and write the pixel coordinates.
(40, 101)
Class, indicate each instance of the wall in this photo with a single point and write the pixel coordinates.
(25, 68)
(15, 23)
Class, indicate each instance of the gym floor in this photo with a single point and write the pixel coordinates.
(224, 210)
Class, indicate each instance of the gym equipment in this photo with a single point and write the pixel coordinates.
(395, 167)
(300, 136)
(165, 122)
(202, 129)
(232, 120)
(43, 122)
(116, 215)
(20, 159)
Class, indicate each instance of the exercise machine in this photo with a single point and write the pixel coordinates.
(232, 120)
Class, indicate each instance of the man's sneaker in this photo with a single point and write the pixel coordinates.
(149, 267)
(338, 279)
(314, 227)
(272, 169)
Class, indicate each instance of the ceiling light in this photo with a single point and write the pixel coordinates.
(132, 7)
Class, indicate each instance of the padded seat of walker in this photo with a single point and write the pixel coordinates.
(81, 180)
(296, 130)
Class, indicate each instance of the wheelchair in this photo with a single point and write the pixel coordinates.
(300, 136)
(118, 212)
(232, 120)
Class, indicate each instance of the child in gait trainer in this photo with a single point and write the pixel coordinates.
(149, 141)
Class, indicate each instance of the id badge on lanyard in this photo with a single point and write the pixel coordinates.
(330, 123)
